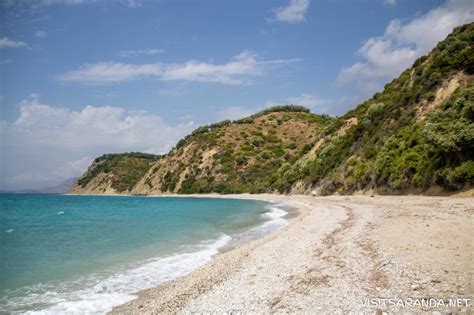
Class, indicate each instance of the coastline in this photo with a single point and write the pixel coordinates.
(338, 252)
(176, 292)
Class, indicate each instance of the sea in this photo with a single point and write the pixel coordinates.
(87, 254)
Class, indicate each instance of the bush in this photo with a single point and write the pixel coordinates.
(240, 160)
(461, 175)
(451, 127)
(127, 168)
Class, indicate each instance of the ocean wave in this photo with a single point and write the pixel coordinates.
(274, 219)
(275, 212)
(98, 294)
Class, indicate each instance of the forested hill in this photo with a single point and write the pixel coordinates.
(417, 136)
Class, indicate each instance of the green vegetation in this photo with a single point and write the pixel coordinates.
(126, 169)
(247, 120)
(248, 153)
(438, 150)
(274, 109)
(389, 147)
(416, 134)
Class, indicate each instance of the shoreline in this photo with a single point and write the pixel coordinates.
(337, 252)
(134, 274)
(230, 255)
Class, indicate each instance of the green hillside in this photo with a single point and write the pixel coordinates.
(417, 133)
(125, 170)
(417, 136)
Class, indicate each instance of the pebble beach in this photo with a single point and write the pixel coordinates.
(339, 254)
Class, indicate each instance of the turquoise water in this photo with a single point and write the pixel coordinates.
(89, 253)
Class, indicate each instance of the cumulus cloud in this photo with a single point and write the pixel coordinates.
(8, 43)
(128, 53)
(384, 57)
(294, 12)
(46, 144)
(72, 168)
(233, 72)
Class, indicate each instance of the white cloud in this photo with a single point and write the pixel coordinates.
(34, 96)
(72, 168)
(294, 12)
(110, 72)
(311, 101)
(66, 2)
(128, 53)
(386, 56)
(46, 144)
(233, 72)
(307, 100)
(40, 34)
(391, 2)
(8, 43)
(43, 3)
(236, 112)
(133, 3)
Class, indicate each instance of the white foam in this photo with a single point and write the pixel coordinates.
(274, 221)
(98, 294)
(60, 212)
(275, 213)
(10, 231)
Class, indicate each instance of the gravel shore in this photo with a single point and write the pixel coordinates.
(337, 253)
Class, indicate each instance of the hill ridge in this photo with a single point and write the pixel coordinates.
(417, 136)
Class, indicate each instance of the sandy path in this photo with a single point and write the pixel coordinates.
(337, 253)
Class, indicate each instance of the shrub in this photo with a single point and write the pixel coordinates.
(461, 175)
(240, 160)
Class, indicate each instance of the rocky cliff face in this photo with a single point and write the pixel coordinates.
(416, 135)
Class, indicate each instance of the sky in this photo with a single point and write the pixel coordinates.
(79, 78)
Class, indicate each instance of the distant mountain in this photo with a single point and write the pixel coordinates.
(416, 136)
(61, 188)
(20, 191)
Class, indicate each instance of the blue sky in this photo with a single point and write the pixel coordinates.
(81, 77)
